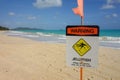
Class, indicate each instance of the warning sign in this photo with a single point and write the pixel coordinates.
(81, 47)
(82, 30)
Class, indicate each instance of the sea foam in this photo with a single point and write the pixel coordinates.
(61, 38)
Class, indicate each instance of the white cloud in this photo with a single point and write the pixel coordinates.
(11, 13)
(31, 18)
(47, 3)
(116, 1)
(114, 15)
(110, 4)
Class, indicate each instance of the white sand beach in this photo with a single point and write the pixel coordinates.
(25, 59)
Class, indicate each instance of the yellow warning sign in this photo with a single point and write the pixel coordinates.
(81, 47)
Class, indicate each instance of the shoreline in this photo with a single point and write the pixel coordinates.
(112, 42)
(26, 59)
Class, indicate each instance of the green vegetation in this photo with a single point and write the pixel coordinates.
(3, 28)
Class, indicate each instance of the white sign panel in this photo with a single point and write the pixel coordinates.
(82, 51)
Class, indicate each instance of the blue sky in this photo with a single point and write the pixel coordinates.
(57, 14)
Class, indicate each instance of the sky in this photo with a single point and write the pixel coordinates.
(57, 14)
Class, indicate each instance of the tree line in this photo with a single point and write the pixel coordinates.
(4, 28)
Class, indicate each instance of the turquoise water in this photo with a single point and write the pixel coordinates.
(109, 38)
(110, 33)
(62, 32)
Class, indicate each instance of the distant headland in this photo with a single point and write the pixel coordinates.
(3, 28)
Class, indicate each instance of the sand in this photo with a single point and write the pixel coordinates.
(25, 59)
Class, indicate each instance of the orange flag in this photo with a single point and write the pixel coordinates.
(79, 9)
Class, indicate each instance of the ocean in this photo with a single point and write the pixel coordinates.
(108, 38)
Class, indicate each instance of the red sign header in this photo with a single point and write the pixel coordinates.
(82, 30)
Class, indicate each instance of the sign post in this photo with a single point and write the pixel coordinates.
(82, 42)
(82, 46)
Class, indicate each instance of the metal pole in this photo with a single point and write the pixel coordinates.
(82, 20)
(81, 69)
(81, 73)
